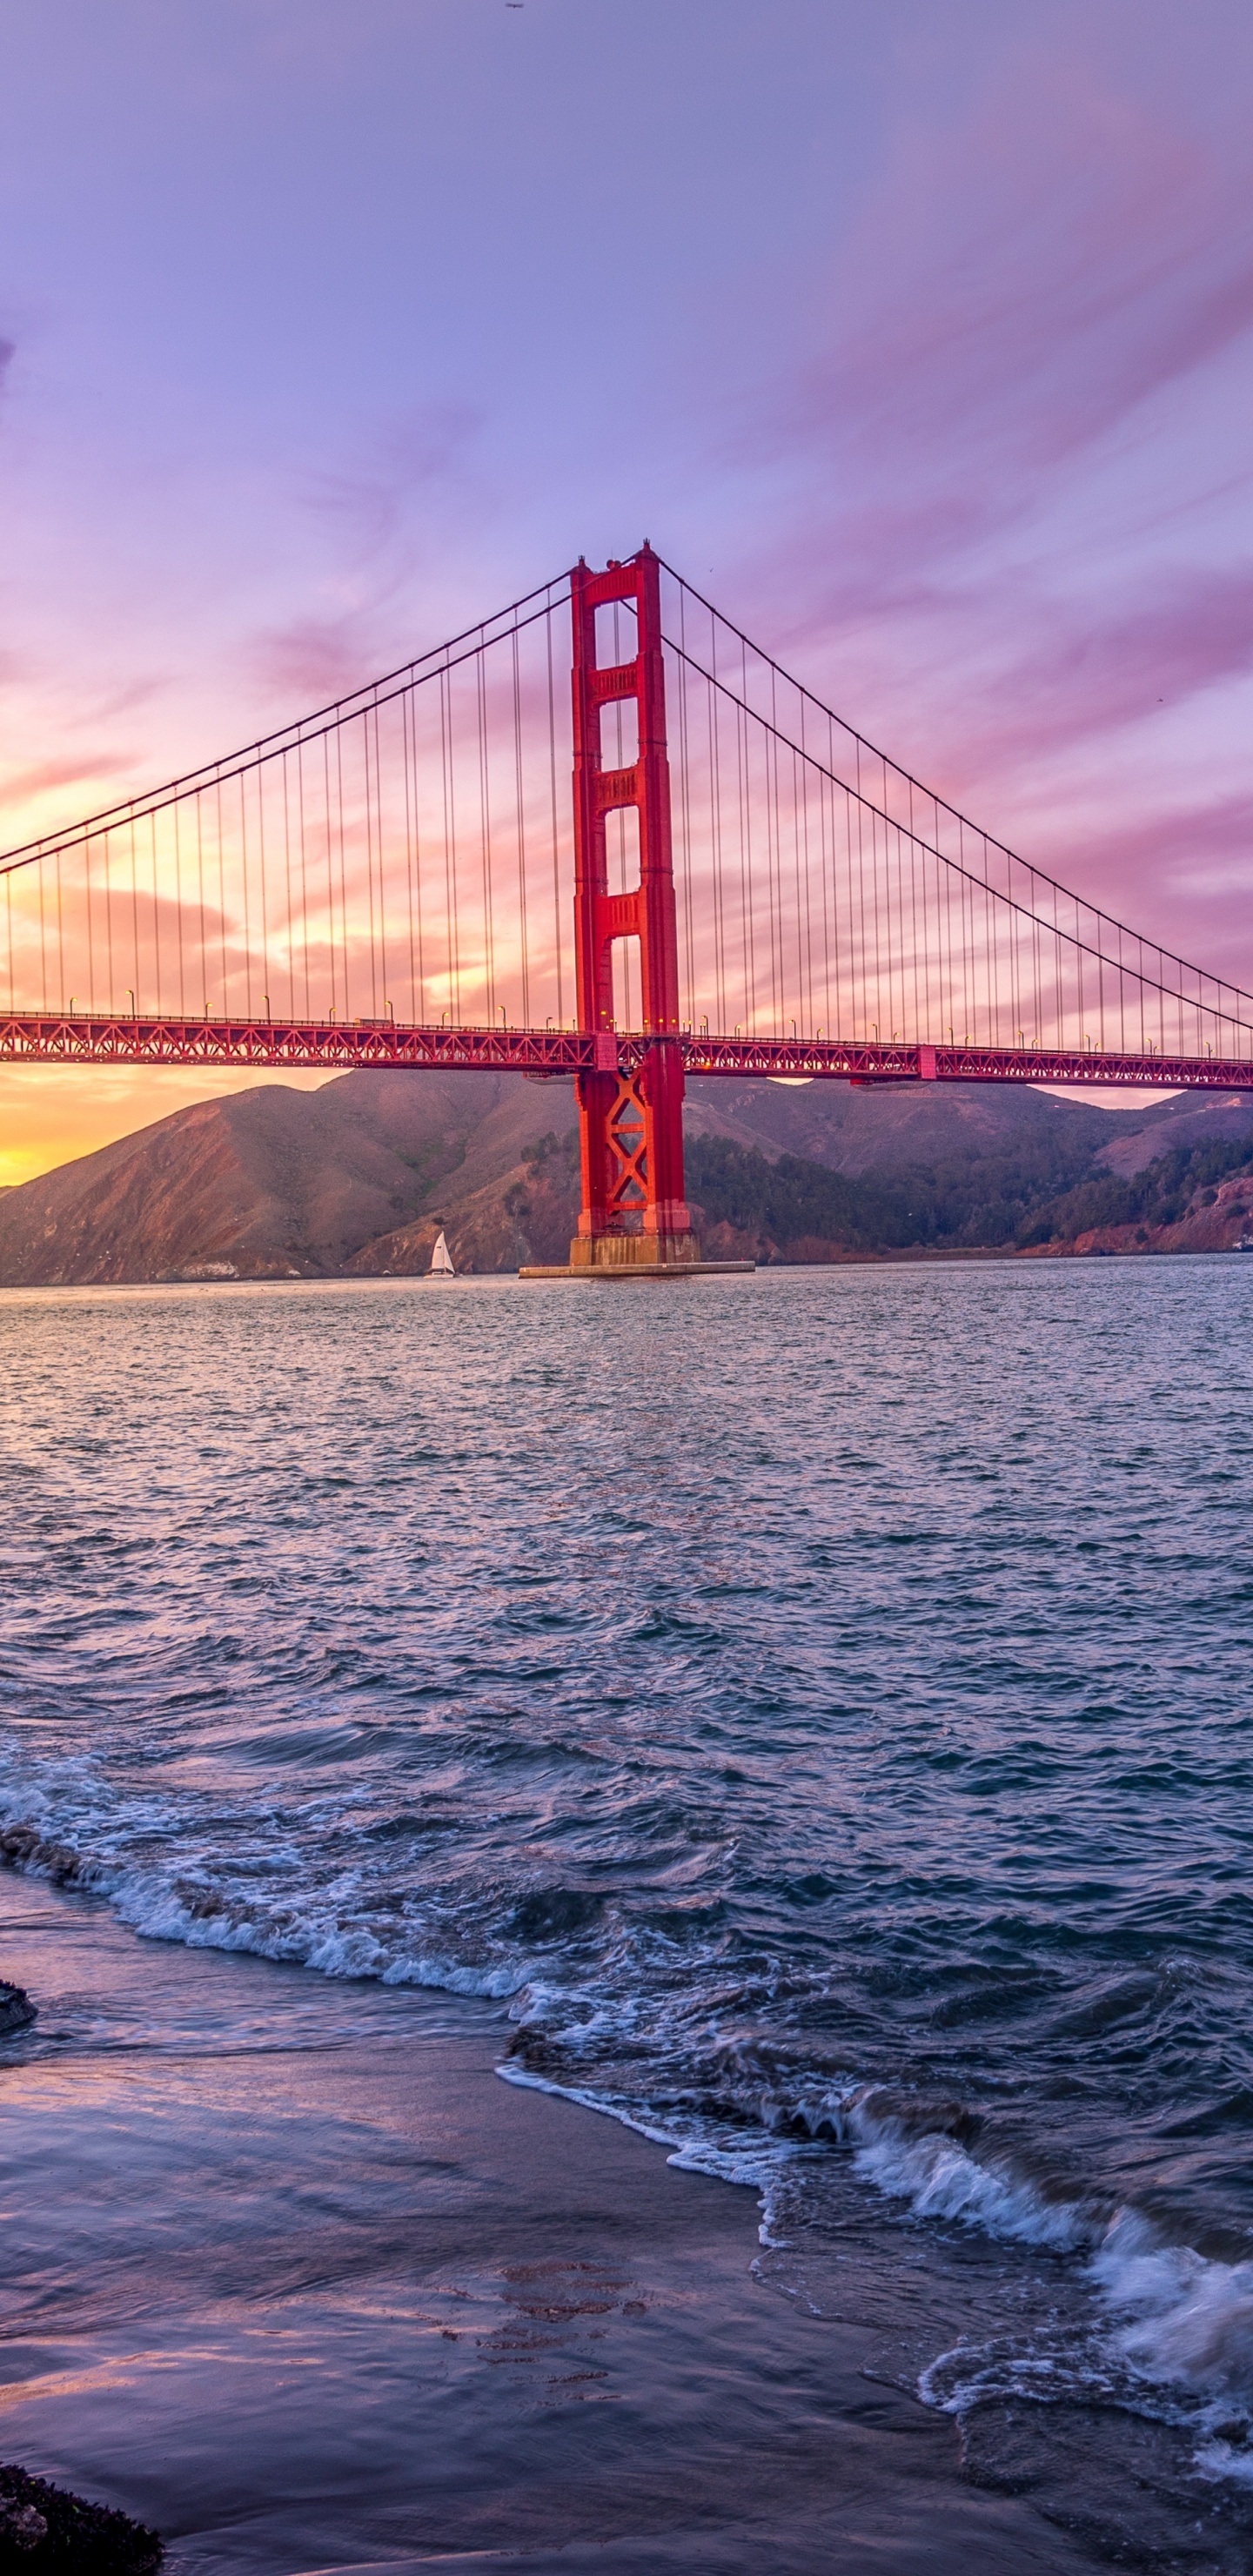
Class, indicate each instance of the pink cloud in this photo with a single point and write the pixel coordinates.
(315, 660)
(1094, 674)
(1015, 294)
(1016, 486)
(422, 452)
(1186, 863)
(84, 771)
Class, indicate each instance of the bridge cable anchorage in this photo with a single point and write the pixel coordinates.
(401, 879)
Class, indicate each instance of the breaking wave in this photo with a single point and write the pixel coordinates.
(1171, 2335)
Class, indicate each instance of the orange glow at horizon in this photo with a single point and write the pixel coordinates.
(53, 1114)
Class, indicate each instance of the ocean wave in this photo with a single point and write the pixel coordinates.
(1170, 2338)
(1174, 2336)
(923, 2160)
(203, 1916)
(1191, 2317)
(751, 2161)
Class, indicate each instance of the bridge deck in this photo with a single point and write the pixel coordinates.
(334, 1046)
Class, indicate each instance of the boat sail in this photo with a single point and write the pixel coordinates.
(441, 1260)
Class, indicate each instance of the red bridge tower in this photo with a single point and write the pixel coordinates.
(634, 1211)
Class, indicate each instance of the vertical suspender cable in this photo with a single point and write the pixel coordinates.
(369, 857)
(221, 888)
(108, 911)
(718, 890)
(265, 909)
(243, 874)
(343, 870)
(417, 856)
(204, 945)
(156, 907)
(485, 830)
(43, 947)
(406, 727)
(685, 827)
(382, 856)
(91, 945)
(861, 895)
(450, 843)
(748, 927)
(520, 814)
(330, 868)
(774, 874)
(290, 926)
(134, 911)
(992, 910)
(178, 900)
(304, 871)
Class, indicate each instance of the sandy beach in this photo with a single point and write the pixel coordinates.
(292, 2275)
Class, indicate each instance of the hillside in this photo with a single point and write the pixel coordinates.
(359, 1176)
(271, 1183)
(1195, 1197)
(901, 1127)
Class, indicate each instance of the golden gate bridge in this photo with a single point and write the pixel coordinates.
(739, 884)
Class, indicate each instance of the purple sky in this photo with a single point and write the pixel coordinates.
(918, 333)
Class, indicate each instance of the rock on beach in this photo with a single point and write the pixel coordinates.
(42, 2526)
(16, 2008)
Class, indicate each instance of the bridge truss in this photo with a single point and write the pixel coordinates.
(296, 1046)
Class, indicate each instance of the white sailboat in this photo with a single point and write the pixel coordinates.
(441, 1260)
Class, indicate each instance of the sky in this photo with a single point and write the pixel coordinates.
(917, 333)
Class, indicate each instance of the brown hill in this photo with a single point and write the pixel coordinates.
(272, 1183)
(1191, 1118)
(529, 1214)
(856, 1132)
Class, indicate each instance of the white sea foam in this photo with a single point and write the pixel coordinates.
(1224, 2459)
(939, 2178)
(205, 1918)
(1173, 2335)
(755, 2162)
(1170, 2337)
(1183, 2320)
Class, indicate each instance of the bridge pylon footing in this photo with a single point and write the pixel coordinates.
(636, 1256)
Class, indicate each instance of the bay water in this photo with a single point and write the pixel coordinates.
(811, 1710)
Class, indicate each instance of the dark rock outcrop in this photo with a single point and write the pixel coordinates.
(43, 2526)
(16, 2008)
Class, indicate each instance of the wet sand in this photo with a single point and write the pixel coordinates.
(290, 2274)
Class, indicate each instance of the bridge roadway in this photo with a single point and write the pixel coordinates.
(342, 1046)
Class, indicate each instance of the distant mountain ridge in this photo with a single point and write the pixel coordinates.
(358, 1177)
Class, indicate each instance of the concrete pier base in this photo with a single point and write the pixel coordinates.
(636, 1256)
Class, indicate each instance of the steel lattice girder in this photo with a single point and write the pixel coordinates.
(341, 1046)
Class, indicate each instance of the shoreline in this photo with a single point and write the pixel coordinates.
(906, 1257)
(307, 2287)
